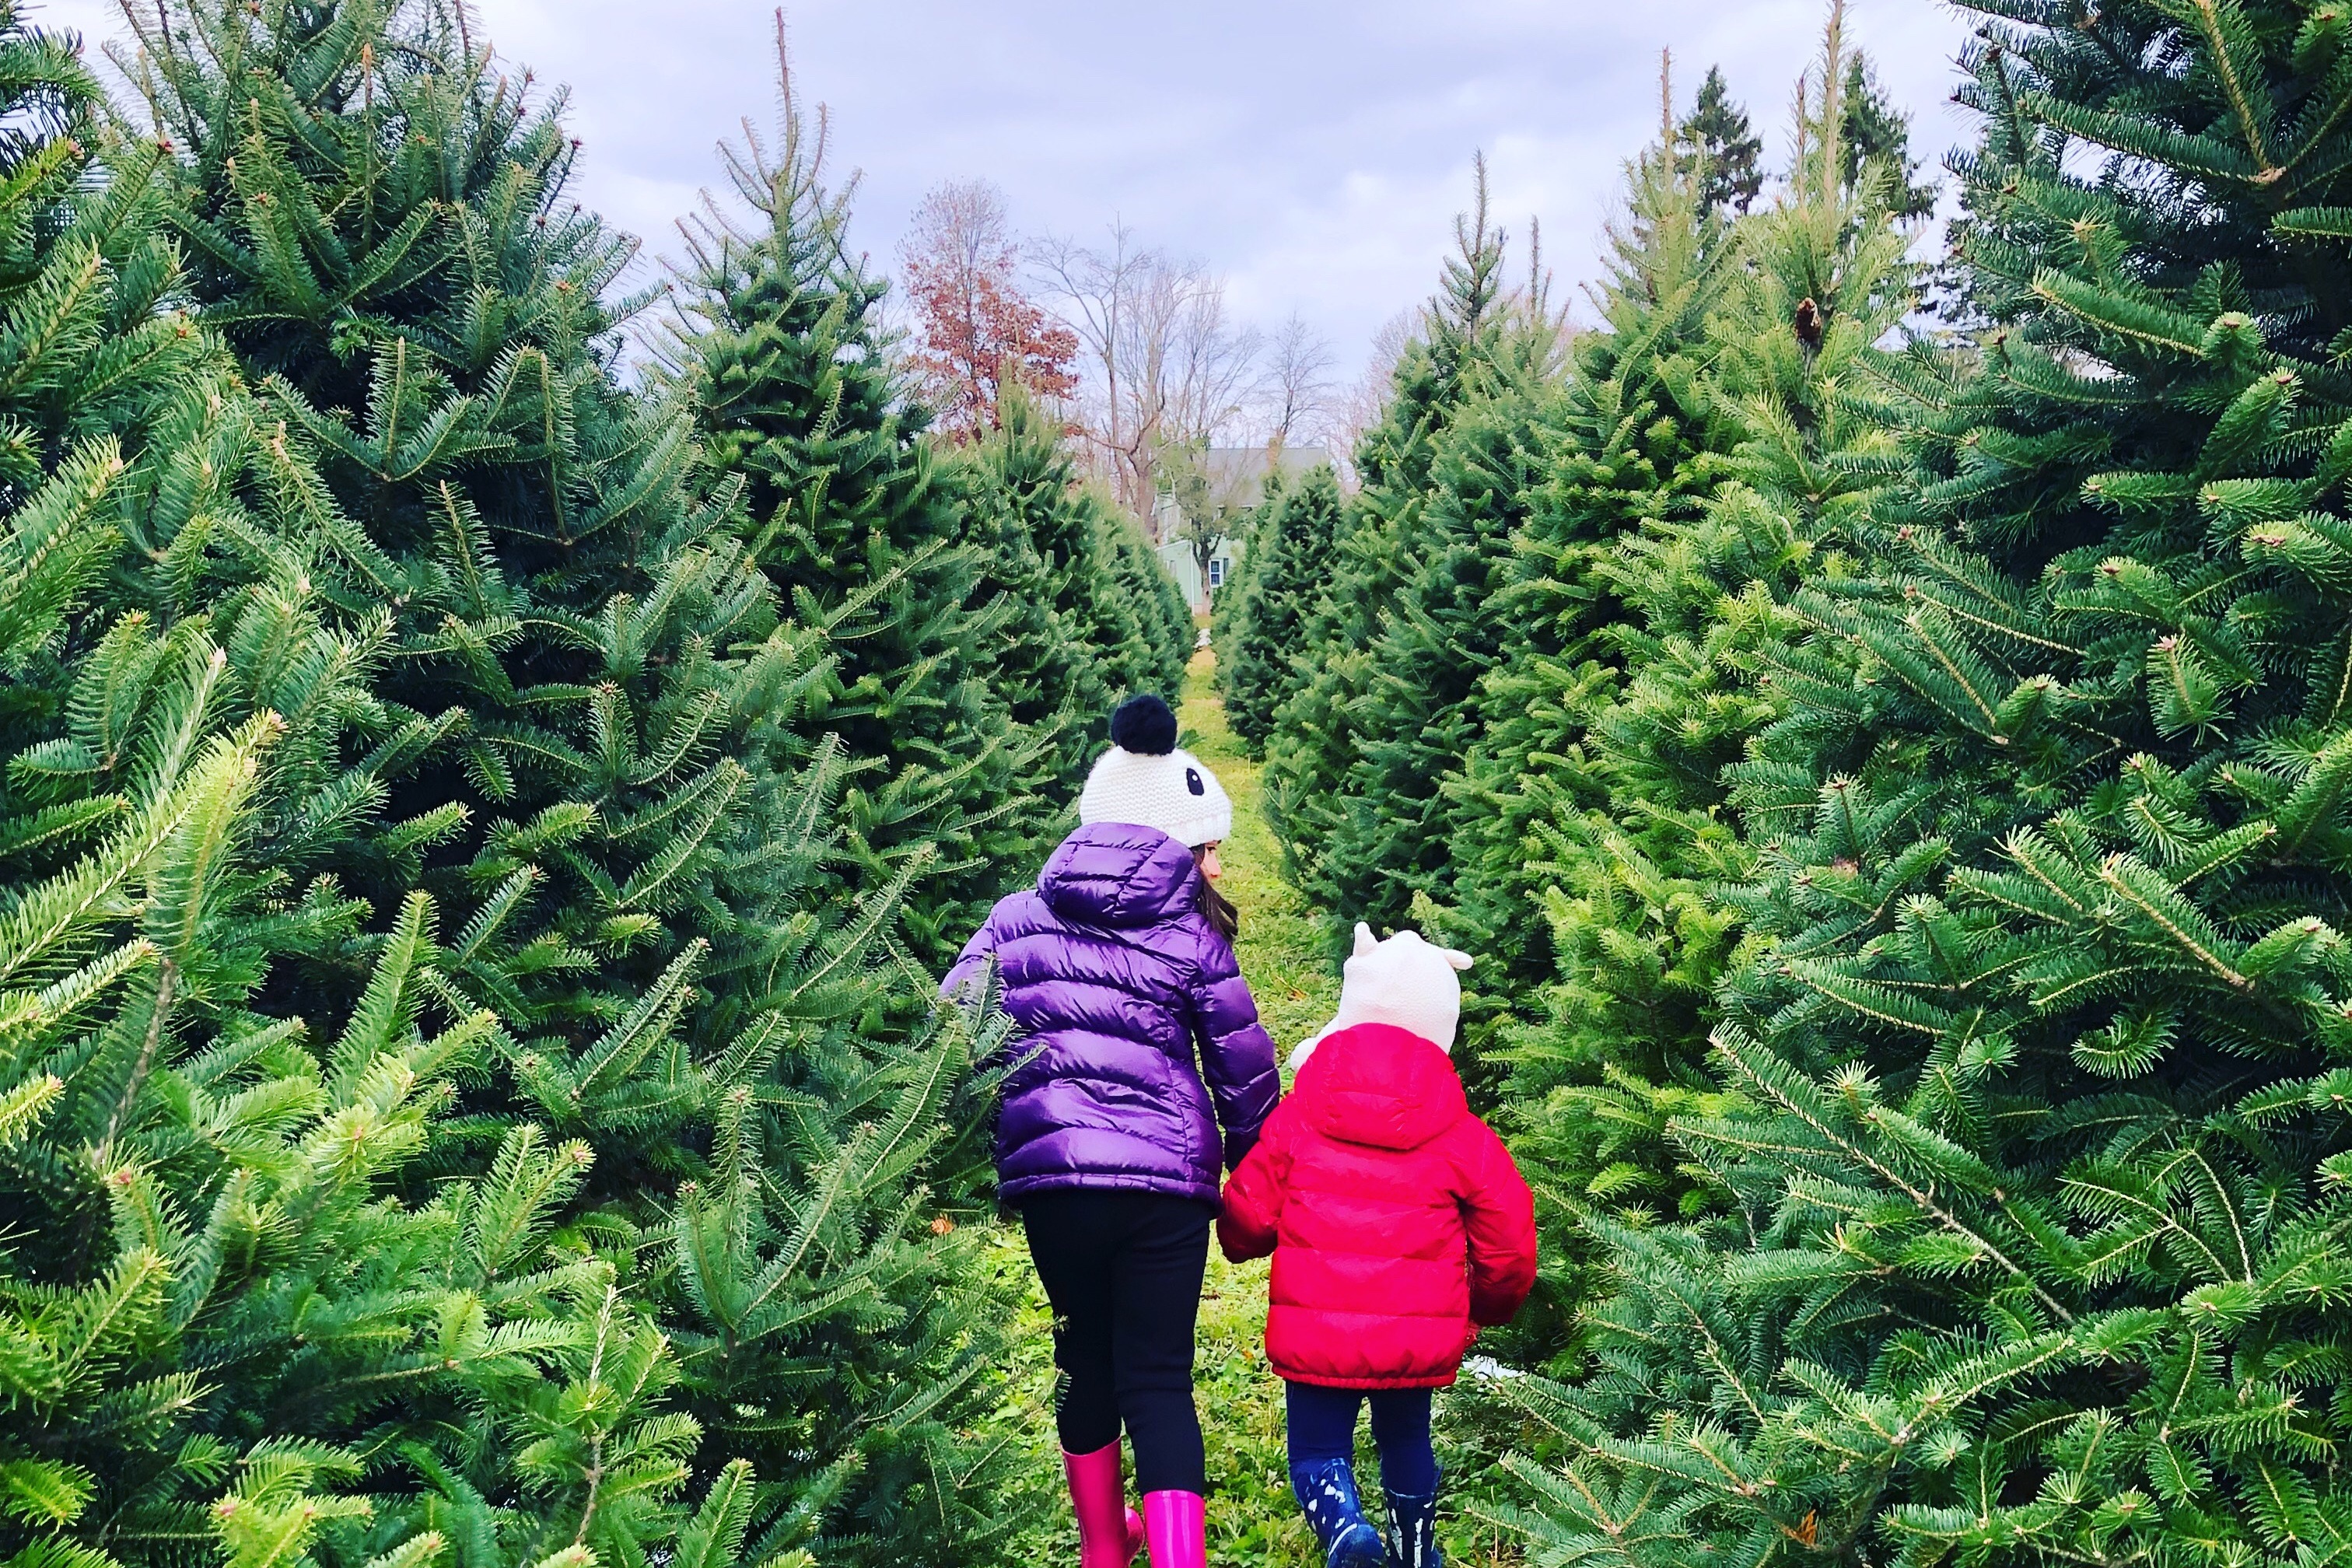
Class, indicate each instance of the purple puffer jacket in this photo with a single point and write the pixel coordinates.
(1112, 975)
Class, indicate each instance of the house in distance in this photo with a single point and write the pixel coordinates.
(1222, 487)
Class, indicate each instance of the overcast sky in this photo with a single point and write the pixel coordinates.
(1315, 151)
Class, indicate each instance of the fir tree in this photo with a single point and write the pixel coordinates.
(1084, 624)
(210, 1288)
(1038, 555)
(2037, 1224)
(799, 395)
(1876, 141)
(1315, 739)
(1285, 568)
(1716, 144)
(1226, 605)
(1634, 423)
(585, 725)
(1415, 715)
(111, 404)
(1653, 601)
(250, 1264)
(1561, 884)
(1133, 580)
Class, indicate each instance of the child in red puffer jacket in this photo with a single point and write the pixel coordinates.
(1398, 1226)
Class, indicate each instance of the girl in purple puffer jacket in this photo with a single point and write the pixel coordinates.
(1117, 968)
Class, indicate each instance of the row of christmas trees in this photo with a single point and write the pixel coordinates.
(478, 828)
(1898, 776)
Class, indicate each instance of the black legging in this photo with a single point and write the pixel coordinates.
(1123, 1270)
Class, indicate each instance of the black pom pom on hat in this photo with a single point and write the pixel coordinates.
(1145, 725)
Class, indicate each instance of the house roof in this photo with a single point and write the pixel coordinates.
(1256, 462)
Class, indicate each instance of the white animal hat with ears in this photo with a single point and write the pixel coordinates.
(1403, 981)
(1146, 781)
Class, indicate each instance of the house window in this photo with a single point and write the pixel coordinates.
(1217, 573)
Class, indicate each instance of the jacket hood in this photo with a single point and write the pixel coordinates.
(1118, 875)
(1379, 1085)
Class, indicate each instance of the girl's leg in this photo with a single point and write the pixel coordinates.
(1156, 1304)
(1409, 1474)
(1074, 1260)
(1323, 1474)
(1068, 1244)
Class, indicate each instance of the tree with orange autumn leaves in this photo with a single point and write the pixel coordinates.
(975, 330)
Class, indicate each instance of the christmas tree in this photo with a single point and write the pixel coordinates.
(1876, 139)
(1596, 945)
(1136, 606)
(1282, 572)
(1634, 424)
(799, 396)
(1715, 144)
(1415, 714)
(1086, 623)
(1038, 559)
(1315, 740)
(2034, 1217)
(212, 1285)
(1657, 575)
(1247, 534)
(537, 775)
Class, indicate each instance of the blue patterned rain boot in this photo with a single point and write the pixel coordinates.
(1327, 1494)
(1414, 1541)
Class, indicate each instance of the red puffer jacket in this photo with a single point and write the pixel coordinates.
(1398, 1223)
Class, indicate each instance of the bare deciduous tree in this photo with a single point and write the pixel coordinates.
(1361, 408)
(1295, 393)
(1190, 365)
(1096, 289)
(1168, 367)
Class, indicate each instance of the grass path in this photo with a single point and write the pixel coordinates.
(1252, 1522)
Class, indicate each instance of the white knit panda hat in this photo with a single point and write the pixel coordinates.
(1145, 780)
(1403, 981)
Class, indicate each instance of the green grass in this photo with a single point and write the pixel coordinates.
(1252, 1522)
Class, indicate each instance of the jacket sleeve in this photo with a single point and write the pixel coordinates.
(1500, 1213)
(1253, 1212)
(1236, 1054)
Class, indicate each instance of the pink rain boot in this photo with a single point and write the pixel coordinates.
(1110, 1532)
(1176, 1524)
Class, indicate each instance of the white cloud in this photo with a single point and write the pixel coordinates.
(1316, 150)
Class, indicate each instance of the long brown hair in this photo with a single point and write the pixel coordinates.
(1215, 907)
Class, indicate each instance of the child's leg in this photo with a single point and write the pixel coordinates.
(1323, 1475)
(1074, 1264)
(1068, 1243)
(1155, 1308)
(1409, 1474)
(1400, 1429)
(1322, 1421)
